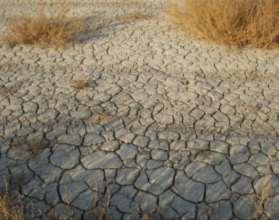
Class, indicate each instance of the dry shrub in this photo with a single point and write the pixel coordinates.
(233, 22)
(100, 118)
(43, 29)
(8, 211)
(34, 146)
(80, 84)
(263, 197)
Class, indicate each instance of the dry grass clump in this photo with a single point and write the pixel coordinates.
(80, 84)
(233, 22)
(8, 211)
(263, 197)
(43, 29)
(34, 146)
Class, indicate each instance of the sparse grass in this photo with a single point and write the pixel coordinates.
(232, 22)
(34, 146)
(263, 197)
(100, 118)
(56, 29)
(80, 84)
(8, 211)
(7, 91)
(265, 190)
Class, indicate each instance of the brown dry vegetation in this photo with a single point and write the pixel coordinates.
(34, 146)
(80, 84)
(261, 199)
(54, 29)
(232, 22)
(8, 211)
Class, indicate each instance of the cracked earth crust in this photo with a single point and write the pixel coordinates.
(166, 123)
